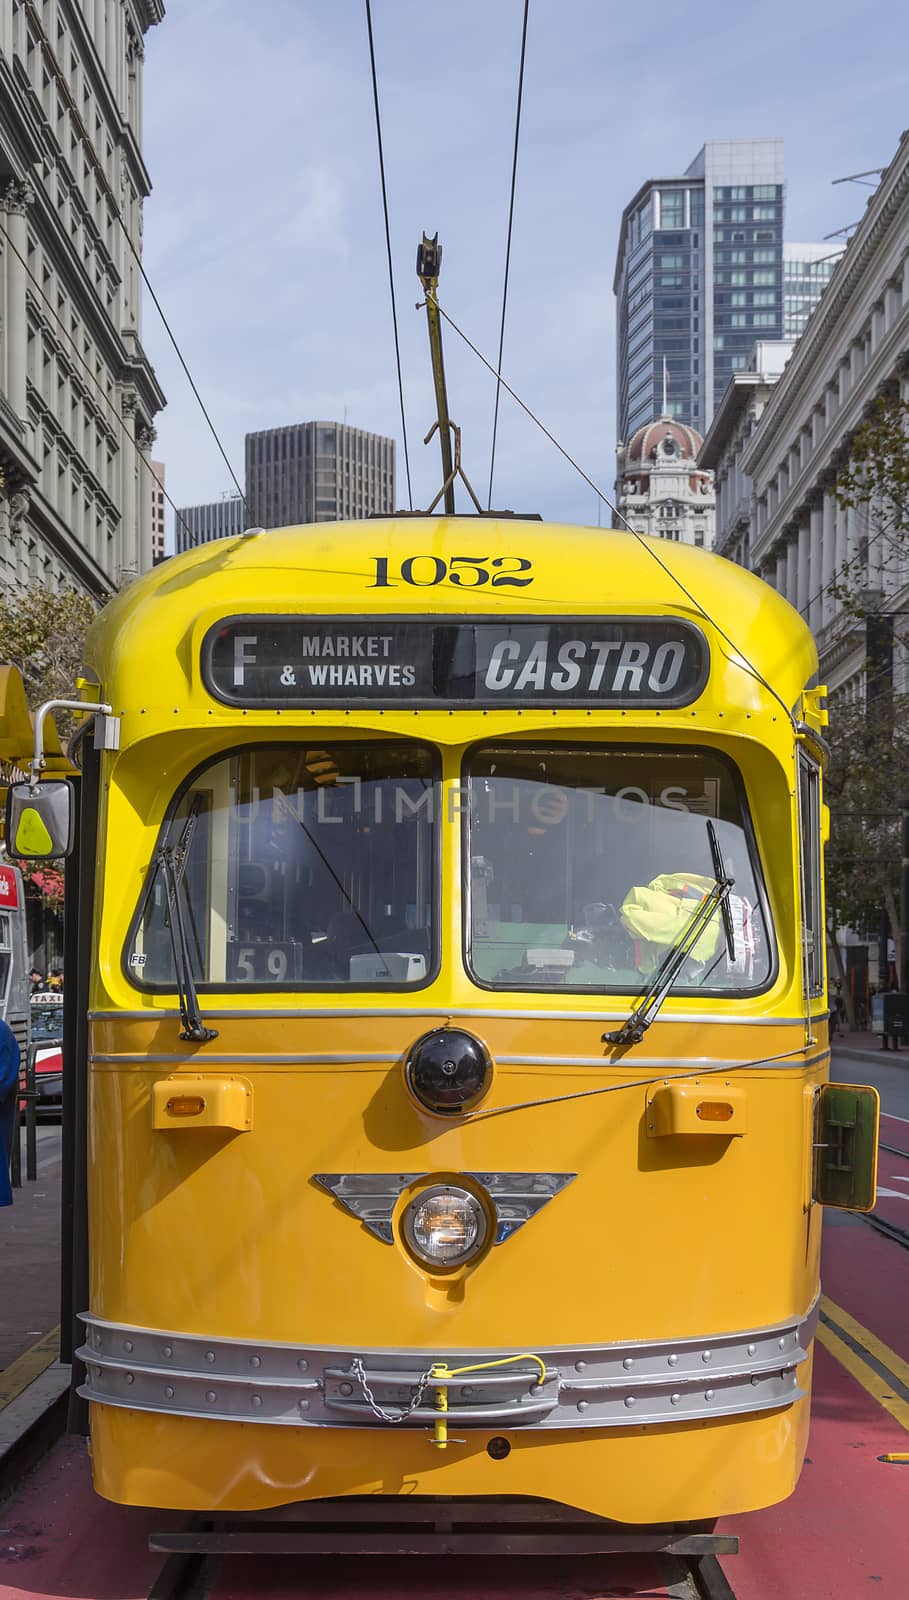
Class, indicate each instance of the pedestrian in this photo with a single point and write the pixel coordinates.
(833, 1014)
(891, 1033)
(9, 1088)
(36, 980)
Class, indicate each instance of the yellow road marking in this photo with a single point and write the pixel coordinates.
(869, 1341)
(870, 1380)
(29, 1366)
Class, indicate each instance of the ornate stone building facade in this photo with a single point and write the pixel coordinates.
(855, 347)
(726, 439)
(660, 488)
(77, 393)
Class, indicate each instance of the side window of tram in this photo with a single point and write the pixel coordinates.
(302, 866)
(812, 868)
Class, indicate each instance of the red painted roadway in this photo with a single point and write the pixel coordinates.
(841, 1536)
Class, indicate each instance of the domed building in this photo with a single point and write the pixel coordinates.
(660, 488)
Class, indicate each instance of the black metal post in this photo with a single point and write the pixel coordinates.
(31, 1118)
(883, 963)
(904, 901)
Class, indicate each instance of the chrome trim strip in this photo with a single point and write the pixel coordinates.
(326, 1058)
(367, 1058)
(620, 1384)
(157, 1014)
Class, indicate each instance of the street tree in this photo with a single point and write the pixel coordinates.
(866, 779)
(42, 633)
(874, 486)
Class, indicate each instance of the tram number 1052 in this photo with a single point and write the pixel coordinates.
(465, 572)
(260, 963)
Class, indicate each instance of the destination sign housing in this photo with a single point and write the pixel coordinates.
(303, 662)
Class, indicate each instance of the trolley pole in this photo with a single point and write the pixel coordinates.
(429, 260)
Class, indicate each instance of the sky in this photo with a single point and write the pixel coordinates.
(264, 236)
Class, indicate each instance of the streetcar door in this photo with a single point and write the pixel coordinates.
(845, 1146)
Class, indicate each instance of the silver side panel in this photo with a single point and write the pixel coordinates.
(588, 1386)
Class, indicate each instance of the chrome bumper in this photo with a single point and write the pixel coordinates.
(588, 1386)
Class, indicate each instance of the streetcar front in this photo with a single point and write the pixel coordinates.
(457, 1026)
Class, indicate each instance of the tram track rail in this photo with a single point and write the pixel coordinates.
(686, 1561)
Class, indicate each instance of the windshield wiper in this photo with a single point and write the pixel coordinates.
(632, 1031)
(171, 859)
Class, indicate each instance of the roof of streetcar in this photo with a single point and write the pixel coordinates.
(461, 568)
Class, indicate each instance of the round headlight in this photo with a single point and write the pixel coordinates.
(445, 1226)
(448, 1070)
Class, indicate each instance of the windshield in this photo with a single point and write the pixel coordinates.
(47, 1023)
(299, 866)
(587, 864)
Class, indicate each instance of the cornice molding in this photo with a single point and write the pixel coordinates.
(884, 209)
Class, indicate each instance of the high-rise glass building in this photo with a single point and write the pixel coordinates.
(699, 277)
(807, 269)
(318, 472)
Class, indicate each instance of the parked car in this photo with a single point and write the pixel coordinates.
(47, 1041)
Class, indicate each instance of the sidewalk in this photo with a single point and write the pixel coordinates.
(30, 1255)
(867, 1045)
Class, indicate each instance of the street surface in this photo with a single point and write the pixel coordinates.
(840, 1536)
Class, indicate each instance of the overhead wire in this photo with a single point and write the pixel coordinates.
(737, 653)
(514, 175)
(111, 198)
(391, 278)
(118, 419)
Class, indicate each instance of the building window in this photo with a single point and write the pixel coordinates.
(763, 277)
(766, 191)
(765, 319)
(764, 257)
(764, 297)
(764, 213)
(670, 262)
(672, 208)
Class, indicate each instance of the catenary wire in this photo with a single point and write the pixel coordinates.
(514, 175)
(121, 424)
(391, 278)
(101, 176)
(738, 654)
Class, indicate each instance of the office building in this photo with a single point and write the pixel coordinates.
(77, 393)
(219, 519)
(699, 277)
(807, 269)
(661, 489)
(317, 472)
(158, 503)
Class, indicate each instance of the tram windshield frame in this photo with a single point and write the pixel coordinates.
(593, 935)
(345, 826)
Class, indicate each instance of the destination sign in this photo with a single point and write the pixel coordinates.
(305, 662)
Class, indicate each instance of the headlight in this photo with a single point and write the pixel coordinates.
(445, 1226)
(448, 1071)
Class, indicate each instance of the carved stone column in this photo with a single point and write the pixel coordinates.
(15, 199)
(814, 615)
(127, 555)
(803, 567)
(790, 590)
(145, 438)
(828, 553)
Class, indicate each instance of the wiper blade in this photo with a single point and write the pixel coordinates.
(171, 859)
(632, 1031)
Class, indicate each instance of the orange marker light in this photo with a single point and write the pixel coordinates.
(715, 1111)
(185, 1105)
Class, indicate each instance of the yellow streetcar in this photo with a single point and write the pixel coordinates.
(451, 957)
